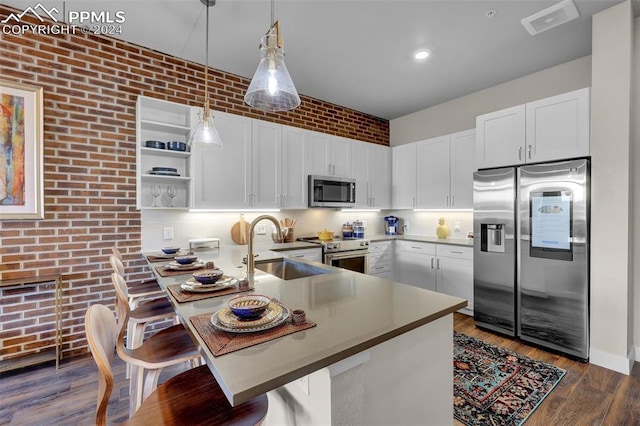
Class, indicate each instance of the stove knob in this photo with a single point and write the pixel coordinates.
(364, 244)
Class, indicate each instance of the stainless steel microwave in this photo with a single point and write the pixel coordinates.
(331, 191)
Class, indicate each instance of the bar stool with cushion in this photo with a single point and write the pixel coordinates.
(138, 290)
(190, 398)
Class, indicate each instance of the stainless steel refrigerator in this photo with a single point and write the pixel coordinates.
(531, 253)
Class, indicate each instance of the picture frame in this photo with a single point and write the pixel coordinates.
(21, 151)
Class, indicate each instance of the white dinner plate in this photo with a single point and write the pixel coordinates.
(284, 317)
(175, 266)
(206, 288)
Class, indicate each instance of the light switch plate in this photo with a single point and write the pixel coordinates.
(168, 233)
(261, 229)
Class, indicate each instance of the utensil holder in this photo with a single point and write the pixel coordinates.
(289, 238)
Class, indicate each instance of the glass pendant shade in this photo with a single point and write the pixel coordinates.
(271, 88)
(206, 132)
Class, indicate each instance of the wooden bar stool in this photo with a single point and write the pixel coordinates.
(147, 358)
(190, 398)
(136, 291)
(149, 311)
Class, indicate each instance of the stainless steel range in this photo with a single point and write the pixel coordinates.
(352, 254)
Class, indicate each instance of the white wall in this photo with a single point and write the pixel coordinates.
(611, 289)
(635, 152)
(460, 114)
(188, 225)
(425, 223)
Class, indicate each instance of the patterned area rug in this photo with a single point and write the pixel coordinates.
(494, 386)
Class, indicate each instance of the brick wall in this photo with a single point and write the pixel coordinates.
(91, 84)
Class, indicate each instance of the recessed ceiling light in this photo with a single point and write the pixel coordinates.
(490, 13)
(421, 54)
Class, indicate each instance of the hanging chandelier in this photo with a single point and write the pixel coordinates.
(271, 87)
(205, 132)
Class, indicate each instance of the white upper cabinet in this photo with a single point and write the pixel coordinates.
(340, 156)
(463, 146)
(360, 172)
(433, 178)
(500, 137)
(403, 181)
(223, 176)
(558, 127)
(371, 168)
(266, 165)
(293, 193)
(379, 165)
(328, 155)
(435, 173)
(553, 128)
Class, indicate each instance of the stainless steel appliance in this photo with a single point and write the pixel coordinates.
(347, 253)
(531, 253)
(331, 191)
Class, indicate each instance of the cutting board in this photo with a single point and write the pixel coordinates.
(240, 231)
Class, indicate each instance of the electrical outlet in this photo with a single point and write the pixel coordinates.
(261, 229)
(456, 227)
(168, 233)
(405, 227)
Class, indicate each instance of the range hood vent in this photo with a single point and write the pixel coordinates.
(550, 17)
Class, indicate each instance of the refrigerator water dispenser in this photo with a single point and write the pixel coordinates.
(492, 237)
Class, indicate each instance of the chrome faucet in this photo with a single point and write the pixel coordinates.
(251, 264)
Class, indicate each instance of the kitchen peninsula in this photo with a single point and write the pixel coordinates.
(381, 352)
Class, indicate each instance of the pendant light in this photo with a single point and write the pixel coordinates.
(271, 88)
(206, 133)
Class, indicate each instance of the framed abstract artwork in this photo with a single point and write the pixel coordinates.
(21, 132)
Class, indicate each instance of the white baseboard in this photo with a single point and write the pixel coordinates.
(613, 362)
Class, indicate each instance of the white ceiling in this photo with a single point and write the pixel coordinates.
(357, 53)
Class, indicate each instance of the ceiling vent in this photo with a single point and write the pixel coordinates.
(550, 17)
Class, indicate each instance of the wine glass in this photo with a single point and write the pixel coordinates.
(172, 191)
(155, 192)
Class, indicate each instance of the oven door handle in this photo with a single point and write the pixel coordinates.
(347, 254)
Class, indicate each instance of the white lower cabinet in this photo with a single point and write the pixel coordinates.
(413, 260)
(443, 268)
(454, 272)
(381, 259)
(314, 254)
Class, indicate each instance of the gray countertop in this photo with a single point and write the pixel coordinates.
(353, 312)
(420, 238)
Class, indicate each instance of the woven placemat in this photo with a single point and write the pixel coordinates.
(221, 342)
(164, 272)
(182, 296)
(151, 258)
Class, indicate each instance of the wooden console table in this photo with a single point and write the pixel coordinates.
(46, 355)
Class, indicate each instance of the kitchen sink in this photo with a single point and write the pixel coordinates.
(287, 269)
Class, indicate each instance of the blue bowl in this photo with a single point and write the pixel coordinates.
(170, 250)
(249, 306)
(208, 276)
(176, 146)
(155, 144)
(186, 259)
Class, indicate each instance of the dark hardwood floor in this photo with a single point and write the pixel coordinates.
(587, 395)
